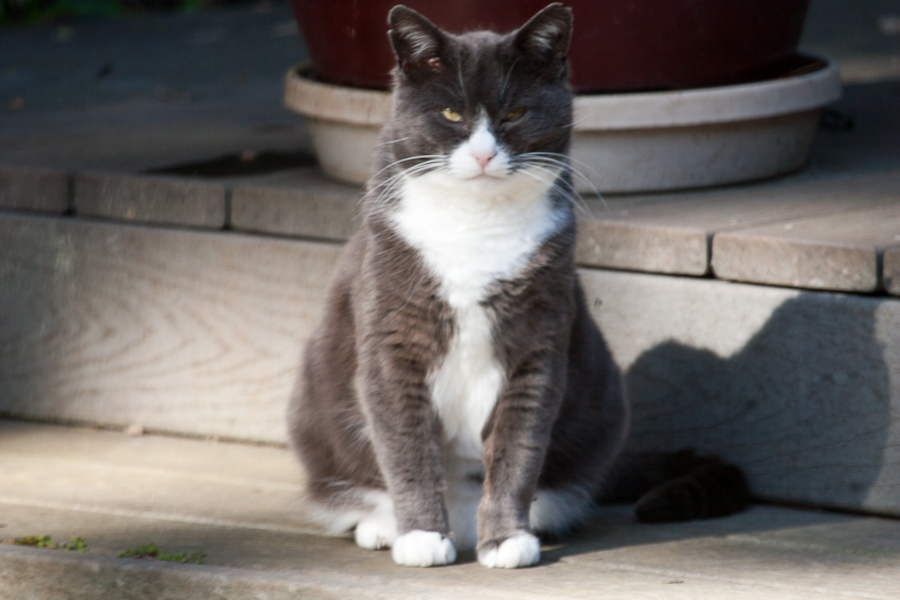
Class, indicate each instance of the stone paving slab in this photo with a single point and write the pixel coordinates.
(29, 188)
(297, 203)
(840, 251)
(891, 267)
(779, 233)
(673, 233)
(146, 199)
(766, 552)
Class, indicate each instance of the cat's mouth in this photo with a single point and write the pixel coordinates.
(485, 177)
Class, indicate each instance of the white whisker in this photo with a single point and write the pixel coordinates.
(397, 141)
(379, 195)
(555, 182)
(576, 122)
(403, 160)
(557, 159)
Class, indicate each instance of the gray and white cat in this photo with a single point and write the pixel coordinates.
(457, 394)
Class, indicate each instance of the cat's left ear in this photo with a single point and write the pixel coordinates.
(545, 38)
(418, 43)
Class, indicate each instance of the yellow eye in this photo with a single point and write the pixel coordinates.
(451, 115)
(515, 113)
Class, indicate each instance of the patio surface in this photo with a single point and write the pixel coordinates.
(240, 505)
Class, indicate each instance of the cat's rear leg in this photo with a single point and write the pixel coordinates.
(377, 530)
(556, 512)
(677, 486)
(369, 513)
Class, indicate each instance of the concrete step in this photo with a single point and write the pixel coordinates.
(241, 506)
(815, 231)
(201, 333)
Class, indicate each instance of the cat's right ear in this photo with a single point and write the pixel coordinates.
(417, 42)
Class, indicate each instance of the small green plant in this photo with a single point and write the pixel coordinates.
(151, 552)
(38, 541)
(75, 544)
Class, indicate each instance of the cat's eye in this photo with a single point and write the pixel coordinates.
(451, 115)
(515, 114)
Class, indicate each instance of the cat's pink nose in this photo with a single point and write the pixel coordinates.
(483, 157)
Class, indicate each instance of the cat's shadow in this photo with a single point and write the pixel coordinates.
(615, 530)
(614, 535)
(804, 408)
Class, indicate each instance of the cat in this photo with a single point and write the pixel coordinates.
(457, 393)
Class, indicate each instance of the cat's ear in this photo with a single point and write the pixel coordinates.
(417, 42)
(545, 38)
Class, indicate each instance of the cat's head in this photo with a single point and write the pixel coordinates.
(480, 106)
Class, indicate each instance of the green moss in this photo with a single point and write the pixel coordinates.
(75, 544)
(38, 541)
(151, 552)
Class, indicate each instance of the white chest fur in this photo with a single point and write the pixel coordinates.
(471, 233)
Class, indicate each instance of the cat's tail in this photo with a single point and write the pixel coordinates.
(677, 486)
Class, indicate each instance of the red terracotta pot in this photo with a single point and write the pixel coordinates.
(617, 45)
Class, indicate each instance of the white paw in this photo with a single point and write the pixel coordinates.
(419, 548)
(377, 531)
(520, 550)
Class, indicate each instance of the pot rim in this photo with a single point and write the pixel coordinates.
(330, 102)
(607, 111)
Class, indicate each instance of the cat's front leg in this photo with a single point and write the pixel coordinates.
(406, 436)
(515, 446)
(419, 548)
